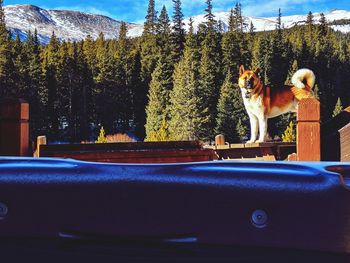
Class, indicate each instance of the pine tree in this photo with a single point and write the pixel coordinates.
(322, 27)
(236, 21)
(124, 79)
(292, 70)
(239, 43)
(158, 95)
(220, 27)
(338, 108)
(149, 56)
(102, 136)
(20, 60)
(279, 20)
(89, 49)
(80, 94)
(209, 16)
(230, 110)
(261, 58)
(51, 89)
(231, 54)
(316, 92)
(251, 29)
(7, 78)
(309, 27)
(34, 85)
(2, 14)
(64, 87)
(178, 32)
(210, 82)
(241, 130)
(106, 87)
(160, 135)
(150, 24)
(184, 108)
(139, 95)
(86, 97)
(163, 29)
(231, 22)
(239, 23)
(277, 59)
(289, 134)
(162, 81)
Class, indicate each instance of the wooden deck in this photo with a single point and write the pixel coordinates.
(135, 152)
(255, 151)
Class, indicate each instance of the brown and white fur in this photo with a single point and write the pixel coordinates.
(263, 103)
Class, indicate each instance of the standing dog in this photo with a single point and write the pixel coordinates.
(263, 103)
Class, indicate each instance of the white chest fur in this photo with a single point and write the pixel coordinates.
(254, 105)
(256, 112)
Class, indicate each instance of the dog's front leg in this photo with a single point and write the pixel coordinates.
(262, 129)
(253, 128)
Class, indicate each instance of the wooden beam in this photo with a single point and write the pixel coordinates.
(308, 130)
(14, 127)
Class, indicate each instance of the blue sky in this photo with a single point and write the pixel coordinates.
(135, 10)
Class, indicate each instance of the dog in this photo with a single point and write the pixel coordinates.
(262, 102)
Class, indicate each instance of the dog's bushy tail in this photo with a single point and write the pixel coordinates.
(302, 76)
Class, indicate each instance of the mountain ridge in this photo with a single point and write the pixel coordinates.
(67, 24)
(72, 25)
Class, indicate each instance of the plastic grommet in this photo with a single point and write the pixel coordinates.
(259, 218)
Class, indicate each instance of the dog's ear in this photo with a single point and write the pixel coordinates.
(241, 70)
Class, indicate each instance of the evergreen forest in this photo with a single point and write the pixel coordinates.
(168, 84)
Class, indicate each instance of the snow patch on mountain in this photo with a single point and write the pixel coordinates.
(75, 25)
(269, 23)
(67, 25)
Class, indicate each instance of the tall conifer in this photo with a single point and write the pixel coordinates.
(161, 84)
(178, 32)
(150, 24)
(158, 98)
(209, 16)
(210, 82)
(230, 110)
(7, 78)
(184, 109)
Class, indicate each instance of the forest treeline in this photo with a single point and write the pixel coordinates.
(167, 84)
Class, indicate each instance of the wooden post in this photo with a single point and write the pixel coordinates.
(345, 143)
(308, 130)
(292, 157)
(14, 127)
(220, 139)
(40, 140)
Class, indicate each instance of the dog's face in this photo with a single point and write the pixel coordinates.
(248, 79)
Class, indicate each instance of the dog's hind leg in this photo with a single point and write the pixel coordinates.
(262, 129)
(253, 128)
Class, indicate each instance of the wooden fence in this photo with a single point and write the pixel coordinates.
(314, 142)
(131, 152)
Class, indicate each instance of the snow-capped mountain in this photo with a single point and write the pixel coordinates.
(75, 25)
(269, 23)
(67, 25)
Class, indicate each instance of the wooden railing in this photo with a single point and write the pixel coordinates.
(314, 142)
